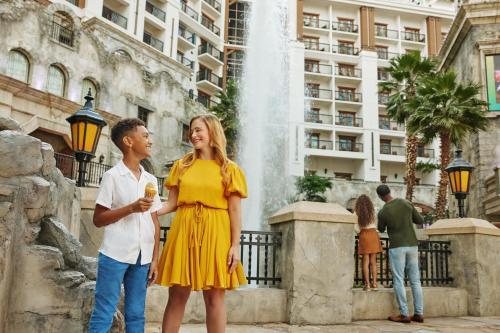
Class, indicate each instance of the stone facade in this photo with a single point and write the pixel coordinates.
(474, 34)
(128, 75)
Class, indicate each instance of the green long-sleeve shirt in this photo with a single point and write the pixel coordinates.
(397, 216)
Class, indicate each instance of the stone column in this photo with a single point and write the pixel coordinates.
(474, 261)
(367, 24)
(300, 19)
(317, 261)
(433, 35)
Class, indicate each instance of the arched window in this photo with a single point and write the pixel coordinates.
(62, 28)
(56, 81)
(86, 85)
(19, 66)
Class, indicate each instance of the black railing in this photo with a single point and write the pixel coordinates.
(348, 96)
(189, 11)
(349, 121)
(207, 75)
(313, 67)
(189, 36)
(386, 124)
(386, 33)
(413, 36)
(154, 42)
(114, 17)
(206, 101)
(209, 24)
(388, 149)
(345, 27)
(155, 11)
(215, 4)
(316, 46)
(425, 152)
(433, 263)
(211, 50)
(315, 22)
(319, 144)
(61, 34)
(318, 93)
(346, 145)
(185, 61)
(348, 71)
(259, 255)
(318, 118)
(386, 55)
(345, 49)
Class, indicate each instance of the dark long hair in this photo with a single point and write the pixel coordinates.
(364, 210)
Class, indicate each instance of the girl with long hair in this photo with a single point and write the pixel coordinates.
(202, 247)
(369, 241)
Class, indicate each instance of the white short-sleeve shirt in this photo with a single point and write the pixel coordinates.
(135, 233)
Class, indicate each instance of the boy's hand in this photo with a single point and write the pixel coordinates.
(142, 205)
(153, 272)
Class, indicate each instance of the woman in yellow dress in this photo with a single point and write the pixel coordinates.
(202, 247)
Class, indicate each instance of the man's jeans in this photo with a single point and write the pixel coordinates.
(110, 275)
(401, 259)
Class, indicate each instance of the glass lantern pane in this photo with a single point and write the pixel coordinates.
(464, 183)
(457, 180)
(453, 184)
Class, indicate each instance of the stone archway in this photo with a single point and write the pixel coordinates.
(61, 145)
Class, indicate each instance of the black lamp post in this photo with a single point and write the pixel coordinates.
(86, 126)
(459, 171)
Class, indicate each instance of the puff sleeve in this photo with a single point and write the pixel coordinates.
(237, 183)
(173, 177)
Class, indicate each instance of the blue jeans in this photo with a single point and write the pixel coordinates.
(401, 259)
(110, 275)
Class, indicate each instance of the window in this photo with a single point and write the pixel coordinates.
(312, 89)
(346, 118)
(346, 24)
(346, 47)
(383, 179)
(143, 114)
(347, 94)
(56, 81)
(185, 134)
(313, 116)
(86, 85)
(311, 66)
(347, 143)
(381, 30)
(62, 29)
(204, 99)
(412, 34)
(385, 146)
(314, 140)
(311, 20)
(382, 74)
(346, 70)
(238, 14)
(312, 43)
(19, 66)
(382, 52)
(234, 68)
(343, 175)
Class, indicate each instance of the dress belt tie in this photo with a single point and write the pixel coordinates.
(194, 233)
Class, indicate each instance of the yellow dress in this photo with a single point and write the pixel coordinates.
(198, 242)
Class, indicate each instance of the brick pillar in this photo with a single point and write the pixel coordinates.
(433, 35)
(300, 19)
(367, 25)
(316, 262)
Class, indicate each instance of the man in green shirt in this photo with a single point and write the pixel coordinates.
(398, 217)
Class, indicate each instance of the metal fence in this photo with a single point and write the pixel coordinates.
(259, 253)
(433, 263)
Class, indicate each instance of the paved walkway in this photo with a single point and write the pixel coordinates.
(431, 325)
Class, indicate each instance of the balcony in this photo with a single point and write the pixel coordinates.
(348, 96)
(383, 99)
(316, 68)
(189, 11)
(318, 93)
(185, 61)
(348, 71)
(209, 81)
(214, 4)
(61, 34)
(155, 11)
(349, 146)
(318, 118)
(315, 22)
(345, 27)
(207, 23)
(425, 152)
(210, 55)
(316, 46)
(382, 75)
(383, 32)
(388, 149)
(188, 39)
(150, 40)
(319, 144)
(114, 17)
(413, 36)
(386, 124)
(350, 121)
(385, 55)
(345, 49)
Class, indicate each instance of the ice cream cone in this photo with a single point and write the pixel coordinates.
(150, 190)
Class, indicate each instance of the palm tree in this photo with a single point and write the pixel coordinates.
(405, 72)
(227, 112)
(447, 110)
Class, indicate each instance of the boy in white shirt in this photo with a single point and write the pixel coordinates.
(130, 246)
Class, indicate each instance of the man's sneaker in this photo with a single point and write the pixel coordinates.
(418, 318)
(400, 319)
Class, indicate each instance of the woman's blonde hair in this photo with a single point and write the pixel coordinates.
(217, 142)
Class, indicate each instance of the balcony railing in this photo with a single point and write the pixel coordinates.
(61, 34)
(349, 146)
(316, 46)
(207, 75)
(211, 50)
(114, 17)
(206, 101)
(189, 11)
(185, 61)
(347, 71)
(386, 33)
(318, 118)
(318, 93)
(315, 22)
(345, 27)
(425, 152)
(386, 124)
(349, 121)
(345, 49)
(319, 144)
(383, 99)
(207, 23)
(413, 36)
(348, 96)
(382, 75)
(388, 149)
(385, 55)
(189, 36)
(155, 11)
(312, 67)
(150, 40)
(215, 4)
